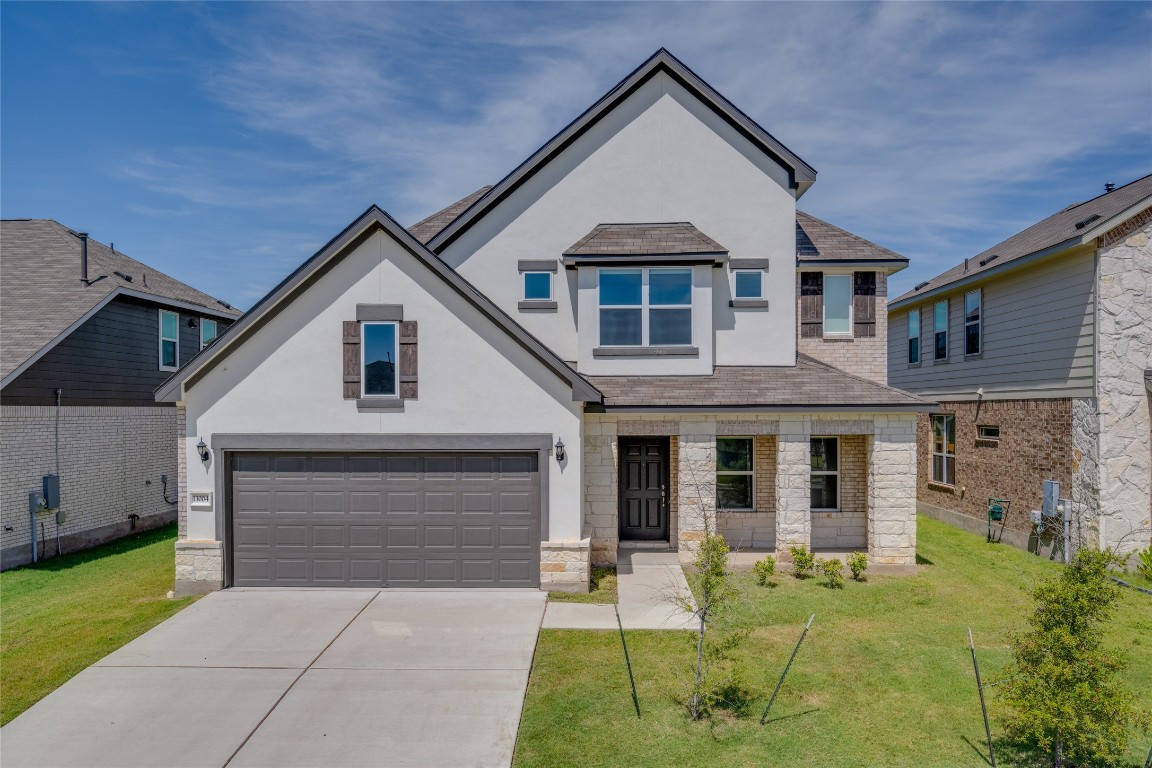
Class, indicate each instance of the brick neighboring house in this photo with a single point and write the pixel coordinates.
(1039, 351)
(86, 336)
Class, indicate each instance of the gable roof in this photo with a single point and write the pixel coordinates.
(371, 221)
(818, 242)
(637, 241)
(425, 229)
(1075, 225)
(43, 299)
(801, 174)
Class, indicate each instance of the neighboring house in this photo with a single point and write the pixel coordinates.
(599, 350)
(86, 336)
(1039, 350)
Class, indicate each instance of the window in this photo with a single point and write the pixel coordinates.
(748, 284)
(379, 355)
(537, 286)
(645, 307)
(972, 323)
(169, 340)
(987, 432)
(825, 455)
(207, 332)
(734, 473)
(940, 326)
(944, 449)
(914, 336)
(837, 303)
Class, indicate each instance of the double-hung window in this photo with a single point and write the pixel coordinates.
(837, 304)
(169, 340)
(208, 331)
(537, 286)
(973, 325)
(825, 455)
(734, 478)
(914, 336)
(940, 330)
(379, 357)
(944, 449)
(748, 284)
(645, 307)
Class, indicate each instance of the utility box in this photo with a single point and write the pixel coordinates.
(51, 492)
(1051, 498)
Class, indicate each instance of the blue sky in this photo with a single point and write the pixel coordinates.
(225, 142)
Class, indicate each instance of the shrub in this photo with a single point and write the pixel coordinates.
(764, 570)
(858, 563)
(1144, 563)
(803, 562)
(833, 571)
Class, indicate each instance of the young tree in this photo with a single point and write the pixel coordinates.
(1062, 689)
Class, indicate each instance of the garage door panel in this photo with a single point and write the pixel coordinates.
(329, 571)
(362, 571)
(440, 537)
(518, 570)
(403, 537)
(324, 536)
(328, 502)
(250, 502)
(476, 536)
(254, 534)
(290, 501)
(477, 503)
(290, 569)
(292, 535)
(515, 536)
(365, 502)
(365, 536)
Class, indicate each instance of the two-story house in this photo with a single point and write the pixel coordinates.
(1039, 350)
(86, 336)
(627, 339)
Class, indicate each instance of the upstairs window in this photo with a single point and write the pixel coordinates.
(734, 483)
(914, 336)
(944, 449)
(645, 307)
(973, 325)
(940, 330)
(537, 286)
(379, 355)
(837, 304)
(169, 340)
(208, 332)
(748, 284)
(825, 456)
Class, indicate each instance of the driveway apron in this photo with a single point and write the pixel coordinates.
(300, 678)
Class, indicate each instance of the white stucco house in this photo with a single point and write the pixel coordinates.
(632, 334)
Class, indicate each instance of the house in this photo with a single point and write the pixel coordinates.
(86, 335)
(601, 350)
(1039, 351)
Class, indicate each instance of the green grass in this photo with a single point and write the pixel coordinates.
(62, 614)
(884, 678)
(602, 588)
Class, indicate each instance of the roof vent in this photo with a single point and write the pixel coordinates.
(1087, 221)
(1109, 187)
(122, 276)
(224, 304)
(965, 265)
(83, 256)
(921, 285)
(989, 260)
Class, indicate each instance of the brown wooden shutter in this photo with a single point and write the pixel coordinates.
(408, 386)
(811, 305)
(351, 360)
(864, 304)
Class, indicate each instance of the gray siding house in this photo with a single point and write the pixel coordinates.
(87, 334)
(1038, 351)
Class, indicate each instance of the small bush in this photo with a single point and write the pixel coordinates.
(764, 570)
(833, 571)
(803, 562)
(858, 563)
(1144, 563)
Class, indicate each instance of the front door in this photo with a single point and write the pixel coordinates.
(644, 488)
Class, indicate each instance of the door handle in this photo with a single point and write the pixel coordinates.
(663, 497)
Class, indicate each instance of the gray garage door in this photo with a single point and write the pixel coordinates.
(388, 519)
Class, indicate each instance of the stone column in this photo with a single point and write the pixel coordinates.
(892, 492)
(696, 483)
(600, 487)
(793, 487)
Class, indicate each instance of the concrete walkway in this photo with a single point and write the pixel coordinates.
(647, 582)
(299, 678)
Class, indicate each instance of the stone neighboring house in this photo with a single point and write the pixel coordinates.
(599, 351)
(1039, 351)
(86, 336)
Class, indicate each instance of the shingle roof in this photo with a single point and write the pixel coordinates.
(817, 240)
(1072, 223)
(809, 384)
(426, 229)
(41, 293)
(644, 239)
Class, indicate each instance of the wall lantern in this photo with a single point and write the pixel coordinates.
(560, 450)
(202, 449)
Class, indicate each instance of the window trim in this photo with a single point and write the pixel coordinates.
(914, 338)
(759, 273)
(839, 486)
(645, 306)
(933, 453)
(751, 472)
(162, 339)
(851, 309)
(524, 285)
(936, 357)
(396, 365)
(215, 329)
(979, 323)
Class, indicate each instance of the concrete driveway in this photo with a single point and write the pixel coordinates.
(299, 678)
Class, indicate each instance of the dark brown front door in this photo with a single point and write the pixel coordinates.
(644, 488)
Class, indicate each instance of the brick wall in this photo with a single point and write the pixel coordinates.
(847, 528)
(1035, 445)
(867, 357)
(110, 465)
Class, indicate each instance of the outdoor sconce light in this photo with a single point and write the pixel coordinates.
(202, 449)
(560, 450)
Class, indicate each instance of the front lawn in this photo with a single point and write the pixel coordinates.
(883, 679)
(62, 614)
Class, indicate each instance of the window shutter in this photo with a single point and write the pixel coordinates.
(811, 305)
(864, 304)
(351, 360)
(408, 385)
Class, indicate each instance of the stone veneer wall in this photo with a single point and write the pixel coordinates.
(866, 356)
(565, 566)
(848, 527)
(110, 467)
(892, 492)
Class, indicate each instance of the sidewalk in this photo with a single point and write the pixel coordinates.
(646, 582)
